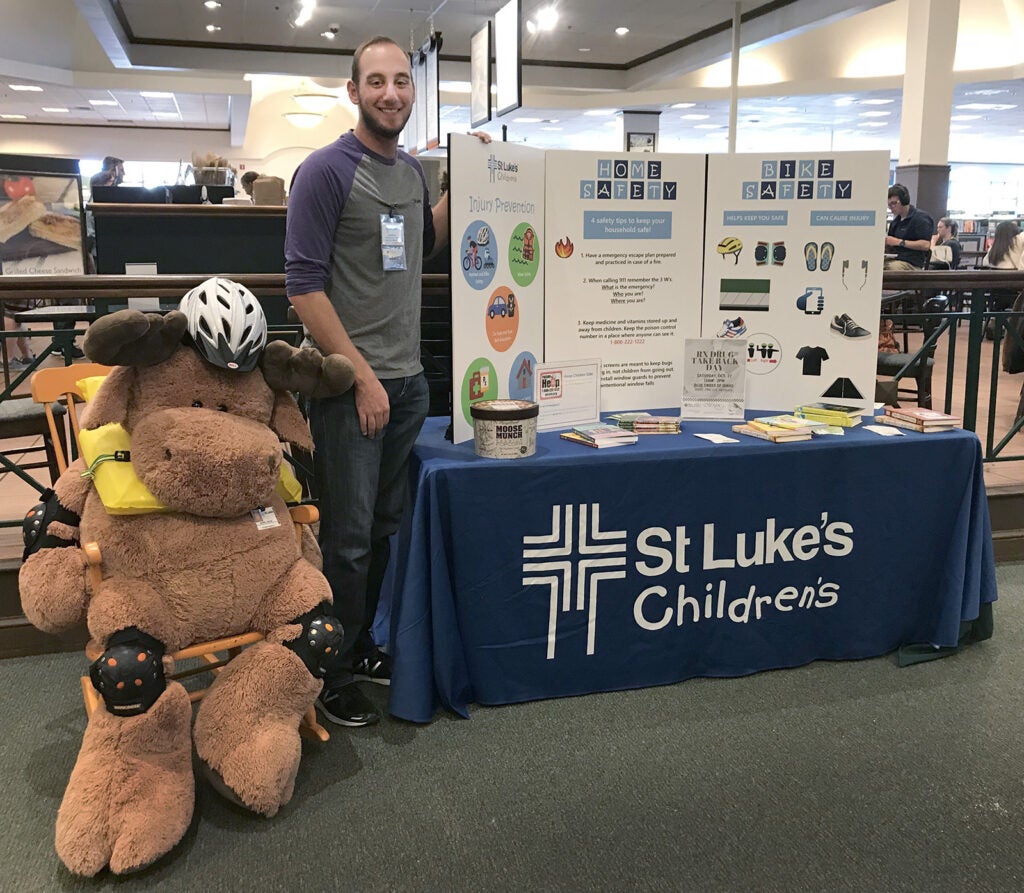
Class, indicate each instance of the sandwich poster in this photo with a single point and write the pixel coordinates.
(40, 224)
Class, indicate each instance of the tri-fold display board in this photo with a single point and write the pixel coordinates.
(563, 255)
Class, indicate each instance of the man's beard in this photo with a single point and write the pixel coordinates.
(376, 128)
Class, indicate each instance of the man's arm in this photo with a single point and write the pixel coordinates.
(320, 318)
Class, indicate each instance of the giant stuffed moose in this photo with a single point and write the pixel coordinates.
(206, 403)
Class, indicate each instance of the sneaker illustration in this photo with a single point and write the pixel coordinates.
(811, 256)
(828, 251)
(812, 301)
(846, 327)
(733, 328)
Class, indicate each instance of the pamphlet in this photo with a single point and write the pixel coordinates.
(567, 393)
(714, 377)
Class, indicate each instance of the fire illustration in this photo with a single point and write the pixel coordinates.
(563, 248)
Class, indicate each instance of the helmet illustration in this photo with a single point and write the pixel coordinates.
(226, 323)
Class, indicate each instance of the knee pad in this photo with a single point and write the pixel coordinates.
(129, 675)
(320, 643)
(33, 528)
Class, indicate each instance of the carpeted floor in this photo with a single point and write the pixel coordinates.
(855, 776)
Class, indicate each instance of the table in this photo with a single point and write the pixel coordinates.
(581, 570)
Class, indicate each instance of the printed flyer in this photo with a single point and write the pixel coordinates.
(622, 279)
(714, 374)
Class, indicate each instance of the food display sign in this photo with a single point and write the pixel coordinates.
(41, 227)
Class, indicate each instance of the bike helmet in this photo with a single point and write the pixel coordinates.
(226, 324)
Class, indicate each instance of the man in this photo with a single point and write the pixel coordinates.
(248, 178)
(359, 221)
(111, 174)
(910, 232)
(945, 238)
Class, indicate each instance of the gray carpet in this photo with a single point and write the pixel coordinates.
(854, 776)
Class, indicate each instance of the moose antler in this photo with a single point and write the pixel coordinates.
(306, 370)
(134, 338)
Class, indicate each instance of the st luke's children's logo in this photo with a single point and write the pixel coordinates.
(502, 170)
(572, 560)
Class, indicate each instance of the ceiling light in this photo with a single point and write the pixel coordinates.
(57, 110)
(964, 117)
(26, 88)
(845, 100)
(211, 4)
(876, 101)
(873, 123)
(527, 120)
(306, 8)
(694, 116)
(547, 18)
(684, 105)
(989, 92)
(707, 126)
(318, 103)
(102, 102)
(600, 112)
(986, 106)
(875, 114)
(212, 28)
(330, 35)
(303, 119)
(622, 31)
(13, 117)
(155, 94)
(584, 49)
(531, 26)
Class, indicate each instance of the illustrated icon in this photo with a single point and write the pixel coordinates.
(732, 328)
(812, 301)
(828, 251)
(770, 253)
(563, 247)
(811, 256)
(730, 245)
(845, 326)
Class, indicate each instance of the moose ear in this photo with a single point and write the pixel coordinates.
(111, 401)
(287, 422)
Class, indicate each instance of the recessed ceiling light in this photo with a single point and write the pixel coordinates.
(584, 49)
(600, 112)
(13, 117)
(330, 35)
(875, 114)
(622, 31)
(694, 116)
(988, 92)
(211, 4)
(964, 117)
(683, 105)
(306, 8)
(876, 101)
(845, 100)
(26, 88)
(55, 109)
(873, 124)
(986, 106)
(102, 102)
(547, 18)
(707, 126)
(155, 94)
(527, 120)
(212, 28)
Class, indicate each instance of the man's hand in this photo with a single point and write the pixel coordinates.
(481, 135)
(373, 406)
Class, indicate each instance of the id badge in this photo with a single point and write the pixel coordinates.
(392, 241)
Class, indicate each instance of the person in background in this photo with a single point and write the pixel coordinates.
(910, 232)
(359, 221)
(111, 174)
(1007, 251)
(248, 178)
(945, 237)
(24, 357)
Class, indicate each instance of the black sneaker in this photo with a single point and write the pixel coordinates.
(376, 668)
(347, 706)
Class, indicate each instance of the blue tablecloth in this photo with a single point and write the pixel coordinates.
(580, 570)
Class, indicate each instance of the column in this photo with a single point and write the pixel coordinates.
(923, 165)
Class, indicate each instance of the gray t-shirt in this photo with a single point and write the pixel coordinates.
(333, 244)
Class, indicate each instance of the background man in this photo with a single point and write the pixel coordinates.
(111, 174)
(910, 232)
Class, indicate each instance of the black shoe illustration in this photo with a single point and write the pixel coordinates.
(846, 327)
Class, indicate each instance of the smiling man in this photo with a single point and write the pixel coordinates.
(359, 221)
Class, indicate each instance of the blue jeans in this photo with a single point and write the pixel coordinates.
(362, 484)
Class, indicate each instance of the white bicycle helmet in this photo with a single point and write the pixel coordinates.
(226, 323)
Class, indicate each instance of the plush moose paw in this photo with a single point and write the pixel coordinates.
(131, 793)
(247, 729)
